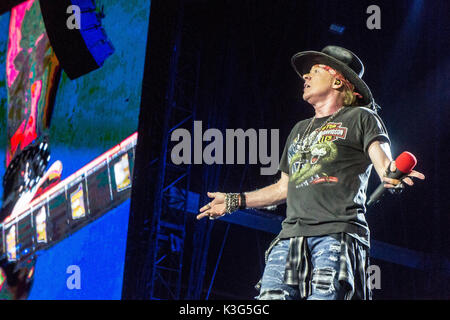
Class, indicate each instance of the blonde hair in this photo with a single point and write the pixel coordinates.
(349, 98)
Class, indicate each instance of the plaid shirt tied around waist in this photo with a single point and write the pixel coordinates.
(354, 261)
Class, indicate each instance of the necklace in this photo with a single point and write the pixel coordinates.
(308, 139)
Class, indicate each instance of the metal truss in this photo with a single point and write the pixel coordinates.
(173, 181)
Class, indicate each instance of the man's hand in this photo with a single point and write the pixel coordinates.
(271, 195)
(380, 155)
(214, 209)
(395, 183)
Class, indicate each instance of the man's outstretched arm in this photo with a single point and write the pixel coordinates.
(380, 155)
(271, 195)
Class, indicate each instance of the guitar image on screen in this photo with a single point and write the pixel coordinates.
(33, 74)
(53, 210)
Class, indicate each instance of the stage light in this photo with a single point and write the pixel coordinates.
(338, 29)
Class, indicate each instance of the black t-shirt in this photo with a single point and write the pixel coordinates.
(327, 185)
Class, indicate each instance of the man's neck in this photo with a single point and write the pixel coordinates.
(326, 107)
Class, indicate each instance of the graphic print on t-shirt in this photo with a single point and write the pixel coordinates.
(307, 168)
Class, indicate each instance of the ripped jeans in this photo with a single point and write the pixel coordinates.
(324, 253)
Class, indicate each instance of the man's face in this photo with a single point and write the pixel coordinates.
(318, 84)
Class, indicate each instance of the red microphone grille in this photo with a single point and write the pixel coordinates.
(405, 162)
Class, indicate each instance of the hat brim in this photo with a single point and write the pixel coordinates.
(303, 61)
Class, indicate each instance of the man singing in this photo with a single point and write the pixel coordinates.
(322, 251)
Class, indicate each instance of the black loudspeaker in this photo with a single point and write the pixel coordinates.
(80, 47)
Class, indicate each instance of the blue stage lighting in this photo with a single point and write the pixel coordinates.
(338, 29)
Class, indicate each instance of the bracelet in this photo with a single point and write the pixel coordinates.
(243, 201)
(231, 202)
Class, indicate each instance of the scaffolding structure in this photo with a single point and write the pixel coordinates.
(173, 181)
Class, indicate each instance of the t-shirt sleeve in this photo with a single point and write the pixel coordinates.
(373, 129)
(284, 162)
(284, 165)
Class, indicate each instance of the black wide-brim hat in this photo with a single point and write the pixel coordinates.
(340, 59)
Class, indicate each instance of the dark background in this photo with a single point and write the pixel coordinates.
(245, 80)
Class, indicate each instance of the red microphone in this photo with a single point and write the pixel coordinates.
(405, 163)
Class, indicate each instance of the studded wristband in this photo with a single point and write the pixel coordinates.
(231, 202)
